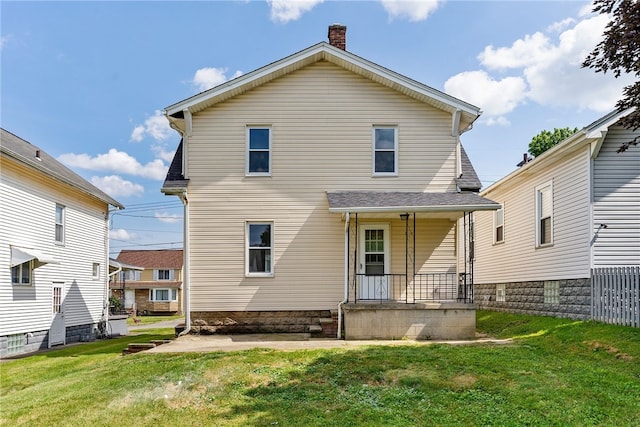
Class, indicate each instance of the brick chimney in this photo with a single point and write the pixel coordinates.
(338, 36)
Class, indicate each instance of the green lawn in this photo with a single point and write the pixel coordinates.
(144, 320)
(556, 372)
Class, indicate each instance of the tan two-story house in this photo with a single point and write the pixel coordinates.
(324, 193)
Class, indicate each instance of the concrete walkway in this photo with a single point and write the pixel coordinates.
(157, 325)
(208, 343)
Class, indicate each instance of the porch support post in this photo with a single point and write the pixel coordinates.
(355, 262)
(406, 259)
(414, 257)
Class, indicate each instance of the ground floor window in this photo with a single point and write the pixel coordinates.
(163, 295)
(259, 249)
(21, 273)
(552, 292)
(15, 343)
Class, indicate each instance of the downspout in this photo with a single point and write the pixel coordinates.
(105, 302)
(346, 273)
(186, 286)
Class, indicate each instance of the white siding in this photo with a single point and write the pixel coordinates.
(518, 258)
(27, 219)
(321, 120)
(616, 202)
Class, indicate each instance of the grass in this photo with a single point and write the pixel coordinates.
(556, 372)
(144, 320)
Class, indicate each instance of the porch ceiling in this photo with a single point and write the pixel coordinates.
(425, 204)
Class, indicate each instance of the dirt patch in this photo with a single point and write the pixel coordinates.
(598, 346)
(464, 381)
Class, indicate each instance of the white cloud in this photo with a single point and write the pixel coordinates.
(206, 78)
(116, 161)
(494, 97)
(115, 186)
(4, 40)
(545, 68)
(156, 126)
(413, 10)
(290, 10)
(167, 217)
(161, 152)
(121, 234)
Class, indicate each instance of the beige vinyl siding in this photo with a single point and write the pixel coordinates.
(27, 219)
(616, 202)
(518, 258)
(322, 120)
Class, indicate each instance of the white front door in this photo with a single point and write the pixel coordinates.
(374, 262)
(129, 298)
(57, 333)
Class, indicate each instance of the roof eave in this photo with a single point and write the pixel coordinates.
(393, 209)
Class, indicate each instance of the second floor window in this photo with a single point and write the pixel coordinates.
(163, 274)
(498, 236)
(544, 214)
(60, 223)
(258, 151)
(385, 151)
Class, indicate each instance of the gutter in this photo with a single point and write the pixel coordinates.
(346, 273)
(186, 282)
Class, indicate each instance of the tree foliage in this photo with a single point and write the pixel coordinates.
(619, 52)
(546, 139)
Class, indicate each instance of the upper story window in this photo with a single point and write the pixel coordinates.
(259, 151)
(96, 270)
(259, 249)
(385, 151)
(21, 274)
(130, 275)
(163, 274)
(544, 214)
(60, 217)
(498, 225)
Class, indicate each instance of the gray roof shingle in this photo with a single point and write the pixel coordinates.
(469, 180)
(25, 153)
(390, 201)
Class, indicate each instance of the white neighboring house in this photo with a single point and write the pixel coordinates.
(54, 245)
(567, 215)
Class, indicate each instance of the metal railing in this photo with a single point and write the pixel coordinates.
(420, 288)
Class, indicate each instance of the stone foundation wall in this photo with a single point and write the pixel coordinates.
(528, 298)
(319, 323)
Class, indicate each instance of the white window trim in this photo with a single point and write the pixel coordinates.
(62, 224)
(170, 291)
(496, 225)
(247, 247)
(29, 265)
(538, 195)
(248, 151)
(95, 274)
(156, 274)
(501, 292)
(374, 151)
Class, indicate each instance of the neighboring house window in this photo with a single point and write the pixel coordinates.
(385, 151)
(130, 275)
(259, 249)
(544, 214)
(163, 295)
(164, 274)
(21, 273)
(500, 292)
(96, 270)
(498, 221)
(552, 292)
(60, 214)
(258, 151)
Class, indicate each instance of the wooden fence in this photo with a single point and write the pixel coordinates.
(615, 295)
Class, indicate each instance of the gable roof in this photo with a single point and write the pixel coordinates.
(175, 180)
(25, 153)
(468, 180)
(319, 52)
(152, 258)
(593, 134)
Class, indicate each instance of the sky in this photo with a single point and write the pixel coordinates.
(87, 81)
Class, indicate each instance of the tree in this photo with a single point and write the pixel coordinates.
(619, 52)
(545, 140)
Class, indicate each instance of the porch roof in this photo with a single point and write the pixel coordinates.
(401, 201)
